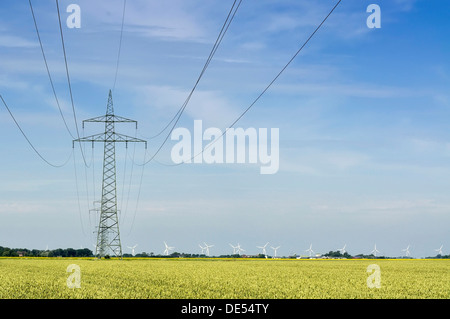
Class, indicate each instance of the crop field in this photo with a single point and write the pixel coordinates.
(209, 278)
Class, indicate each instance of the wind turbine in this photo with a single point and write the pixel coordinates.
(375, 251)
(234, 249)
(239, 249)
(439, 250)
(263, 249)
(406, 250)
(207, 247)
(342, 250)
(166, 252)
(310, 250)
(203, 248)
(132, 249)
(275, 250)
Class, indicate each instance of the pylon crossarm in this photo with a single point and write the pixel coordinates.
(127, 139)
(109, 118)
(110, 138)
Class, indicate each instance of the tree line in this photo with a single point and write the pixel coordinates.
(60, 252)
(85, 252)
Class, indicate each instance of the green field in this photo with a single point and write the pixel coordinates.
(222, 278)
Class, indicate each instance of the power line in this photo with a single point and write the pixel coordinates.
(267, 87)
(219, 39)
(285, 67)
(48, 71)
(139, 193)
(211, 54)
(124, 178)
(120, 43)
(78, 192)
(68, 80)
(29, 142)
(86, 176)
(131, 179)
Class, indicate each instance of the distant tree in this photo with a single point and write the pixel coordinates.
(71, 252)
(84, 252)
(59, 252)
(35, 253)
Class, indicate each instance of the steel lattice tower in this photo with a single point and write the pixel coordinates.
(108, 235)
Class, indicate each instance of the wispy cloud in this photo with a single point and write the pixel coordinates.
(353, 90)
(11, 41)
(319, 162)
(7, 82)
(383, 208)
(209, 106)
(168, 20)
(404, 5)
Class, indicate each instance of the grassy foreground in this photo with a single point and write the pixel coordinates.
(222, 278)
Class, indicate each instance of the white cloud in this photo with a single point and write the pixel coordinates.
(170, 20)
(353, 90)
(253, 45)
(8, 82)
(34, 207)
(383, 208)
(208, 106)
(405, 5)
(11, 41)
(317, 161)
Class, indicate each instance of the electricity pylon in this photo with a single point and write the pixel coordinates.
(108, 235)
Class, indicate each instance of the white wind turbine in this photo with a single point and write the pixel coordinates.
(132, 249)
(263, 249)
(342, 250)
(406, 250)
(275, 250)
(234, 249)
(166, 252)
(239, 249)
(207, 247)
(439, 250)
(375, 251)
(203, 248)
(310, 250)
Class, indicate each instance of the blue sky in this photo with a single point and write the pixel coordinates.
(362, 115)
